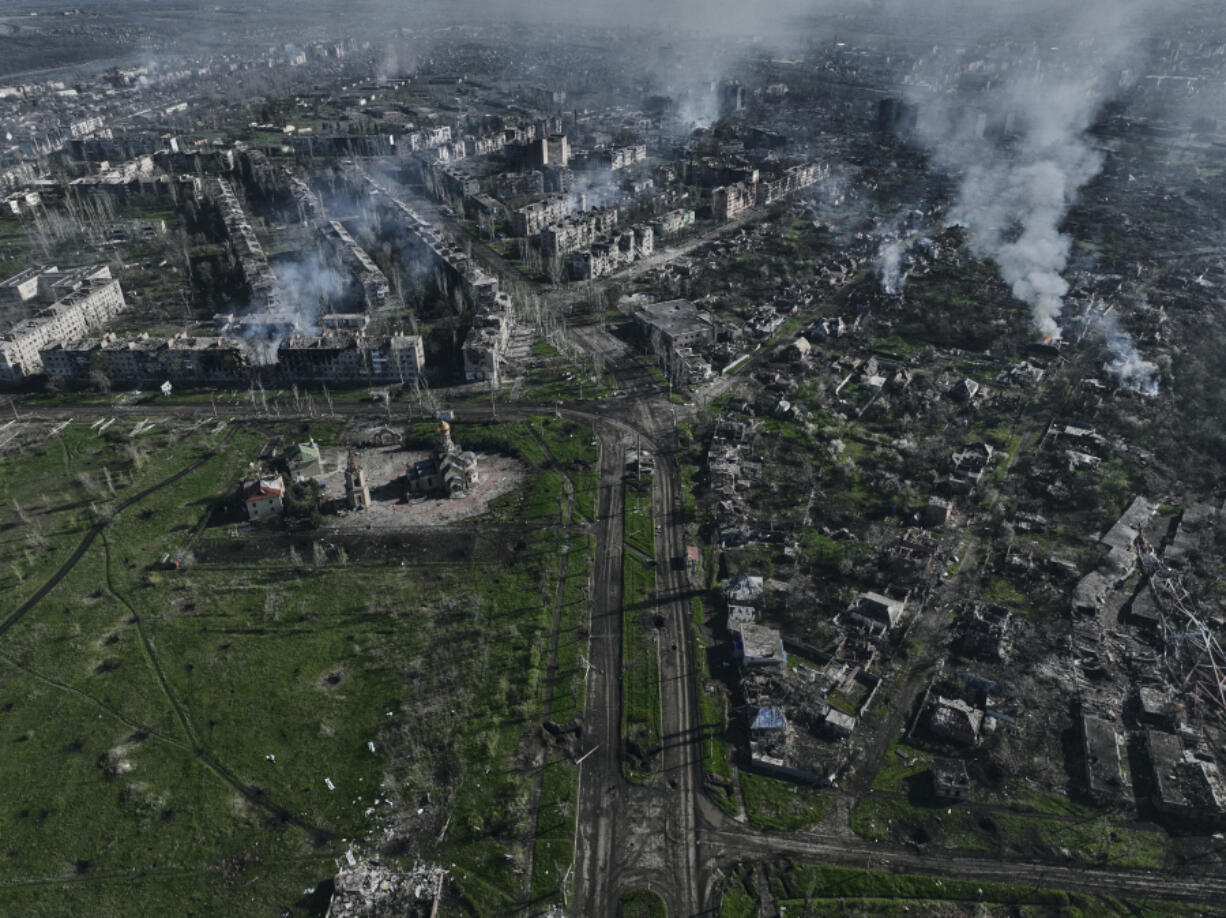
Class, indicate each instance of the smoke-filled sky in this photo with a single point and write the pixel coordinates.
(1018, 140)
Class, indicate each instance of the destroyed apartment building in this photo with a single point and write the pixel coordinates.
(679, 334)
(1150, 673)
(335, 356)
(246, 250)
(372, 287)
(44, 306)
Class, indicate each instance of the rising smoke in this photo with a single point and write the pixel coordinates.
(305, 290)
(889, 265)
(1124, 363)
(1018, 142)
(898, 237)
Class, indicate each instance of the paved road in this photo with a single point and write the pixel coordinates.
(600, 774)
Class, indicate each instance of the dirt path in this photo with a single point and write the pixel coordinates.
(250, 793)
(96, 530)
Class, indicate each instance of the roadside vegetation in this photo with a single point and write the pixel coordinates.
(641, 716)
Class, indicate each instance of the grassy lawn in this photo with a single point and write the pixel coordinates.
(739, 898)
(50, 495)
(774, 804)
(1005, 833)
(640, 528)
(211, 740)
(820, 890)
(713, 721)
(641, 903)
(900, 762)
(555, 830)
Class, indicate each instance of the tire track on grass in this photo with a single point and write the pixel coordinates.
(64, 686)
(251, 794)
(97, 529)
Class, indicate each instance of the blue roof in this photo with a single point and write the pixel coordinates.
(768, 719)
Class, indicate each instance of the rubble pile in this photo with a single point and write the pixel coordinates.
(371, 890)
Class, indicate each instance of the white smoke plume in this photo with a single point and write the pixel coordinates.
(306, 290)
(1124, 363)
(889, 266)
(898, 236)
(1019, 145)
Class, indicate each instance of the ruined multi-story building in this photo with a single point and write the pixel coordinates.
(350, 357)
(246, 249)
(611, 252)
(517, 184)
(344, 251)
(457, 274)
(612, 159)
(577, 232)
(791, 180)
(676, 323)
(487, 341)
(450, 180)
(51, 305)
(198, 360)
(729, 200)
(530, 219)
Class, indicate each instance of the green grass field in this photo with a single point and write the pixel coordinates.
(170, 735)
(774, 804)
(1005, 833)
(813, 890)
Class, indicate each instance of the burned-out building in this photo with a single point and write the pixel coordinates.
(449, 471)
(675, 323)
(950, 781)
(729, 200)
(1185, 785)
(46, 306)
(181, 359)
(955, 721)
(485, 346)
(351, 357)
(745, 597)
(878, 610)
(371, 285)
(673, 222)
(1103, 760)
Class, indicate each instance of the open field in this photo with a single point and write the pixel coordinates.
(218, 736)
